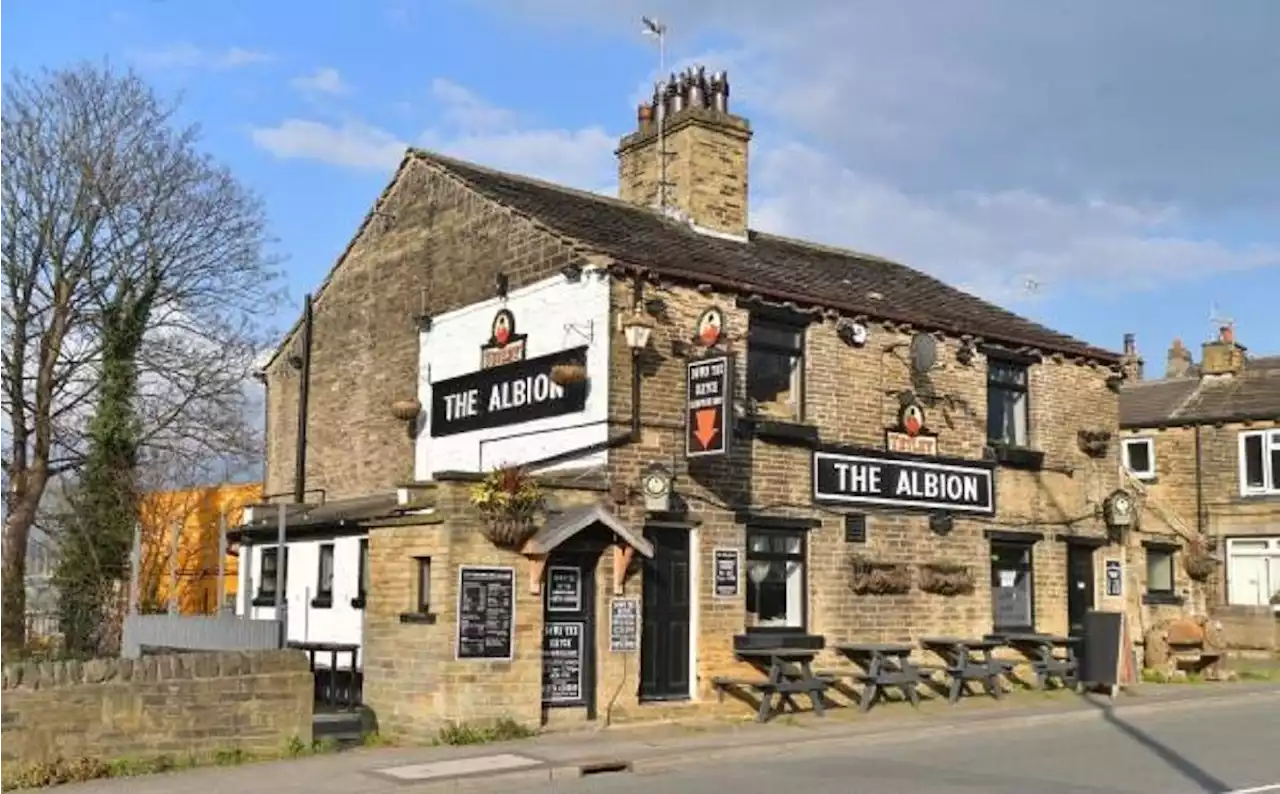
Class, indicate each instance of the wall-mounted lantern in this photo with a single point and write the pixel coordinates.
(637, 328)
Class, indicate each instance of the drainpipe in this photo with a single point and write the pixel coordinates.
(304, 389)
(1199, 486)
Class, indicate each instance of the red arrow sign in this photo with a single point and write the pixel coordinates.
(705, 429)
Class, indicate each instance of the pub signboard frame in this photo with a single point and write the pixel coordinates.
(708, 405)
(508, 394)
(871, 477)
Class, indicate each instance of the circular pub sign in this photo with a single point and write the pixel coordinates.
(710, 326)
(504, 327)
(911, 418)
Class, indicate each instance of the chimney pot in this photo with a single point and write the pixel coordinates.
(1226, 333)
(644, 114)
(1130, 344)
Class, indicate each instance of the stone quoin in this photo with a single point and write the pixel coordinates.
(771, 431)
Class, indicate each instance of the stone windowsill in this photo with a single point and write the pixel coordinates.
(1163, 599)
(264, 600)
(322, 602)
(427, 618)
(1017, 457)
(357, 602)
(778, 431)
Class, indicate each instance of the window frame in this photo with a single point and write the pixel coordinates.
(362, 562)
(1172, 554)
(996, 360)
(264, 596)
(1023, 547)
(798, 326)
(1270, 440)
(422, 595)
(802, 557)
(324, 596)
(1150, 474)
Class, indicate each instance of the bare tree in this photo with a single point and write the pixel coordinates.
(116, 228)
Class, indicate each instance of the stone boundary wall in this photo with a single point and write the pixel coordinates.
(1249, 628)
(176, 705)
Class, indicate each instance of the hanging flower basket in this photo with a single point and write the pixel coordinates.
(508, 501)
(568, 373)
(873, 577)
(1198, 561)
(1199, 565)
(406, 410)
(946, 578)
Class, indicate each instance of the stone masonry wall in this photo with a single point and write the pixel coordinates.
(1225, 512)
(848, 396)
(434, 246)
(194, 703)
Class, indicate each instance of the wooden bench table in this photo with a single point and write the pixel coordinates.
(962, 666)
(884, 665)
(1041, 651)
(788, 672)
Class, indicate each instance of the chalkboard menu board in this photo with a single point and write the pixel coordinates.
(726, 570)
(624, 625)
(564, 589)
(486, 612)
(562, 662)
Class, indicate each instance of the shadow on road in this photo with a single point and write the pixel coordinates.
(1176, 761)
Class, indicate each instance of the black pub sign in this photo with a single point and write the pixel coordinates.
(707, 385)
(509, 394)
(872, 477)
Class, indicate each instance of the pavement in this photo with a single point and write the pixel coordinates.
(1168, 739)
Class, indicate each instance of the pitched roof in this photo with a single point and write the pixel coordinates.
(772, 267)
(1252, 394)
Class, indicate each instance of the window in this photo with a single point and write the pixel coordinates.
(362, 575)
(424, 585)
(1140, 457)
(776, 582)
(267, 575)
(775, 367)
(1260, 462)
(324, 578)
(1012, 587)
(1160, 571)
(1006, 403)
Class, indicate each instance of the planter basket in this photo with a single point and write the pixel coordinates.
(568, 374)
(1199, 566)
(406, 410)
(509, 532)
(947, 579)
(869, 577)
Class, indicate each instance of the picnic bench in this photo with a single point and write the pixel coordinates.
(966, 660)
(1042, 651)
(883, 665)
(787, 672)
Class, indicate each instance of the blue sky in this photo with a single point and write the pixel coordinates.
(1101, 168)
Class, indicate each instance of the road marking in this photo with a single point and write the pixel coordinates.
(1255, 790)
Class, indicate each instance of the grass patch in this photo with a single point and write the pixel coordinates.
(76, 770)
(1150, 676)
(463, 733)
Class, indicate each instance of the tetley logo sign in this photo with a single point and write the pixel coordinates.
(879, 478)
(507, 394)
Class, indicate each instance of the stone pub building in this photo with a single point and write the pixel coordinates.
(741, 439)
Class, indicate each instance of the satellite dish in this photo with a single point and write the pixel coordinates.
(924, 352)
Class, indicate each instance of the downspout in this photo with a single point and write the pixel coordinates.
(304, 389)
(1199, 487)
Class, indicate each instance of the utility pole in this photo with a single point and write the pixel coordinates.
(658, 30)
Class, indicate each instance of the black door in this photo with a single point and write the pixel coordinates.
(568, 637)
(1080, 586)
(664, 633)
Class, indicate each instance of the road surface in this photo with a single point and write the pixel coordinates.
(1206, 749)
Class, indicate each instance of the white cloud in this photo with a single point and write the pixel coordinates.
(325, 80)
(352, 145)
(471, 129)
(189, 56)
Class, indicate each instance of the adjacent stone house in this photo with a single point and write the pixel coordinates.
(751, 427)
(1204, 443)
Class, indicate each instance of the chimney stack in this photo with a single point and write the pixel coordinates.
(705, 148)
(1224, 355)
(1131, 363)
(1179, 362)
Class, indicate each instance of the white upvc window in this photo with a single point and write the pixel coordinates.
(1140, 457)
(1260, 462)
